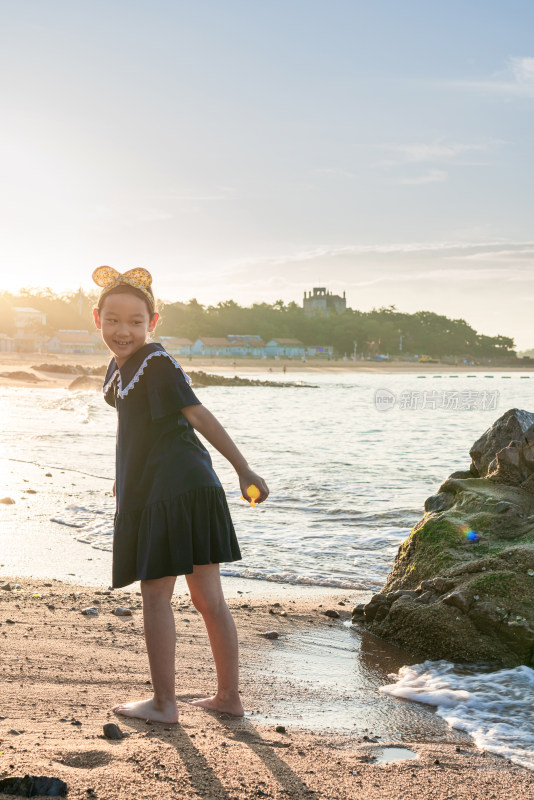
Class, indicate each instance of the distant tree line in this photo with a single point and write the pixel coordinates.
(381, 330)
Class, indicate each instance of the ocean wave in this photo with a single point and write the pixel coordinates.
(495, 707)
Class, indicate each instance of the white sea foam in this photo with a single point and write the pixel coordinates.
(95, 521)
(495, 708)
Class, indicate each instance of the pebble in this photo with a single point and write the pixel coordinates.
(92, 611)
(7, 586)
(120, 611)
(112, 731)
(10, 621)
(280, 729)
(270, 634)
(7, 501)
(332, 612)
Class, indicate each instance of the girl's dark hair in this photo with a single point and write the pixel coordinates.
(122, 289)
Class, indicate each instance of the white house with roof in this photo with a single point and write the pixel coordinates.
(285, 347)
(176, 345)
(249, 344)
(214, 346)
(72, 341)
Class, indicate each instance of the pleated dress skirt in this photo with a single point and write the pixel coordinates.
(170, 537)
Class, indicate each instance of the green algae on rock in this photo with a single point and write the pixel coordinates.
(462, 584)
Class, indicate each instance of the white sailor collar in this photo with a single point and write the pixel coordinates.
(132, 369)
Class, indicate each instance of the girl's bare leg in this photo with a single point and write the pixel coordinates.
(207, 596)
(160, 637)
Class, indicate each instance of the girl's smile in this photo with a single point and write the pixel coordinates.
(125, 324)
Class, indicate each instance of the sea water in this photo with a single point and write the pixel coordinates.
(347, 475)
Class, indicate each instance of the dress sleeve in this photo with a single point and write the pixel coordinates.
(168, 388)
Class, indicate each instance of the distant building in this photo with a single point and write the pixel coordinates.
(65, 341)
(7, 343)
(323, 303)
(248, 344)
(253, 346)
(285, 347)
(29, 328)
(214, 346)
(176, 345)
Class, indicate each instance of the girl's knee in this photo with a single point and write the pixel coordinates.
(211, 604)
(158, 588)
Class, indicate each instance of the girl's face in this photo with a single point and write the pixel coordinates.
(125, 322)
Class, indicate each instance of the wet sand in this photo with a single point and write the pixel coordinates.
(62, 672)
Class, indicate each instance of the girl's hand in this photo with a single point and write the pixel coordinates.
(246, 478)
(114, 489)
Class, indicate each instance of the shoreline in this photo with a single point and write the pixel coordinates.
(63, 671)
(25, 363)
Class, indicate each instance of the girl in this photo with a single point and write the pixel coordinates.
(172, 517)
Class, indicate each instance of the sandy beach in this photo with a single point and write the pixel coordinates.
(62, 671)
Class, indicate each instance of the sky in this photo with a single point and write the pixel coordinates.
(252, 150)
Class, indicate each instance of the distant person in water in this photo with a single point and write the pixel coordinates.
(172, 516)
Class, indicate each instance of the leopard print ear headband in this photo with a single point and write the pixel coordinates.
(139, 278)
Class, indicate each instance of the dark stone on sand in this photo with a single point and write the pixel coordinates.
(280, 729)
(112, 731)
(33, 786)
(91, 611)
(120, 611)
(462, 584)
(270, 635)
(332, 612)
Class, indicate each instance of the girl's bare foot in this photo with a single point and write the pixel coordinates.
(229, 703)
(148, 709)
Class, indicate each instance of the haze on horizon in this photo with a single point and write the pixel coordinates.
(252, 151)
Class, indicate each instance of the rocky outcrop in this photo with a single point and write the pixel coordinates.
(200, 378)
(462, 584)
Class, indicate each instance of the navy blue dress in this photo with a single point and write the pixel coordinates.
(171, 509)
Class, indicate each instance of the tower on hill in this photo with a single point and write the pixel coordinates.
(323, 303)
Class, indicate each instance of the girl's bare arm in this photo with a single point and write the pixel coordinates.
(209, 426)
